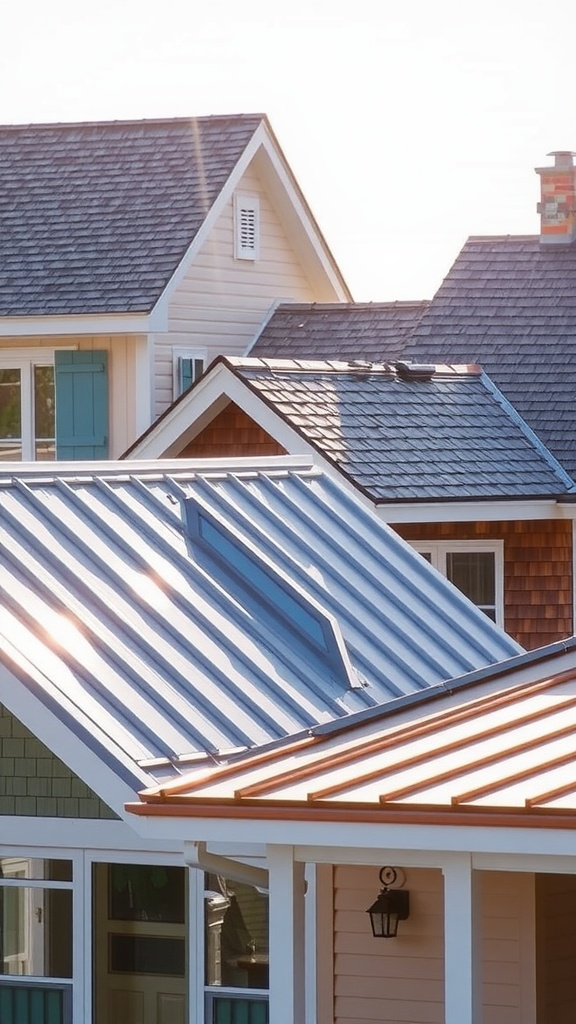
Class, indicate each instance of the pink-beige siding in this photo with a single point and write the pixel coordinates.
(221, 302)
(401, 981)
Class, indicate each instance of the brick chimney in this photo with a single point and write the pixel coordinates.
(557, 206)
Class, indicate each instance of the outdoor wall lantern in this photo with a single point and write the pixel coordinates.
(392, 905)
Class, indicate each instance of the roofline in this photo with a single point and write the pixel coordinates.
(42, 471)
(223, 364)
(488, 673)
(129, 121)
(321, 812)
(321, 307)
(502, 238)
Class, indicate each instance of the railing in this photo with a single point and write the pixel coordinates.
(234, 1007)
(35, 1002)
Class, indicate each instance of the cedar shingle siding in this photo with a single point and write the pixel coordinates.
(33, 782)
(232, 433)
(537, 572)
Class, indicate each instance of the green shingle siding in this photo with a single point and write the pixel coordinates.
(35, 783)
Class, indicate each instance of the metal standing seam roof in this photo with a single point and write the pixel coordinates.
(157, 647)
(450, 434)
(509, 303)
(376, 331)
(95, 217)
(507, 754)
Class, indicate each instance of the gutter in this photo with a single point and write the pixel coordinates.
(196, 856)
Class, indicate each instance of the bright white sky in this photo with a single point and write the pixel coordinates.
(410, 124)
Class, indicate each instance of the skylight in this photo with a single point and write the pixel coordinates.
(276, 598)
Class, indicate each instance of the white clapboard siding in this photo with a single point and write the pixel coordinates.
(401, 981)
(221, 302)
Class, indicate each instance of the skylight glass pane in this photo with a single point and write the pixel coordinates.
(266, 586)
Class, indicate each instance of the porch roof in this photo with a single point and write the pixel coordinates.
(502, 757)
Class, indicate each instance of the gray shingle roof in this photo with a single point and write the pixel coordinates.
(377, 331)
(509, 304)
(95, 217)
(448, 436)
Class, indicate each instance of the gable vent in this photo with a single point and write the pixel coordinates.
(246, 227)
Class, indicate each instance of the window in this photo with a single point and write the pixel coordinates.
(188, 367)
(35, 917)
(246, 227)
(475, 567)
(53, 404)
(236, 951)
(27, 407)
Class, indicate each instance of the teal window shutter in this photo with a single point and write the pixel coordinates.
(189, 369)
(81, 405)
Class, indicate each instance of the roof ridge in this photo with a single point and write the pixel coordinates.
(132, 121)
(394, 304)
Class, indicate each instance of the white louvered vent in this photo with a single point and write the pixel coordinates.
(246, 227)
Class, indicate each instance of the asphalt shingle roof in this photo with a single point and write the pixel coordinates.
(450, 435)
(509, 303)
(95, 217)
(376, 331)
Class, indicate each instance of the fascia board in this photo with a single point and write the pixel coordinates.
(63, 326)
(82, 833)
(189, 416)
(47, 726)
(260, 140)
(291, 191)
(361, 842)
(470, 511)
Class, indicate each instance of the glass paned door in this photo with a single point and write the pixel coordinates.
(44, 413)
(27, 412)
(140, 972)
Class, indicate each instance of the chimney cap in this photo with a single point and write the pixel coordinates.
(563, 157)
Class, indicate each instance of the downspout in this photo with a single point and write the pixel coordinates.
(196, 856)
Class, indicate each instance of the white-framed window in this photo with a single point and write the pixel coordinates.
(27, 405)
(189, 364)
(476, 567)
(246, 227)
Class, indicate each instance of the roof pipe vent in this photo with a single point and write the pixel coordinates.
(415, 371)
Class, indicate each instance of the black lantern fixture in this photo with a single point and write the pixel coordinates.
(392, 905)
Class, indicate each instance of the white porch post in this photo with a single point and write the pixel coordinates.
(462, 951)
(286, 881)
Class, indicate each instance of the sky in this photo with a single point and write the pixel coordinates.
(409, 124)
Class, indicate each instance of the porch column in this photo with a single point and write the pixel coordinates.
(462, 950)
(286, 881)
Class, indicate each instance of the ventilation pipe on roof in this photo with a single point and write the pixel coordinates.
(196, 856)
(557, 206)
(415, 371)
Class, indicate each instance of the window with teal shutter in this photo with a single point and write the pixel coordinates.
(81, 405)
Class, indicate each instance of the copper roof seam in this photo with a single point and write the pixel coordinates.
(447, 748)
(483, 762)
(527, 773)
